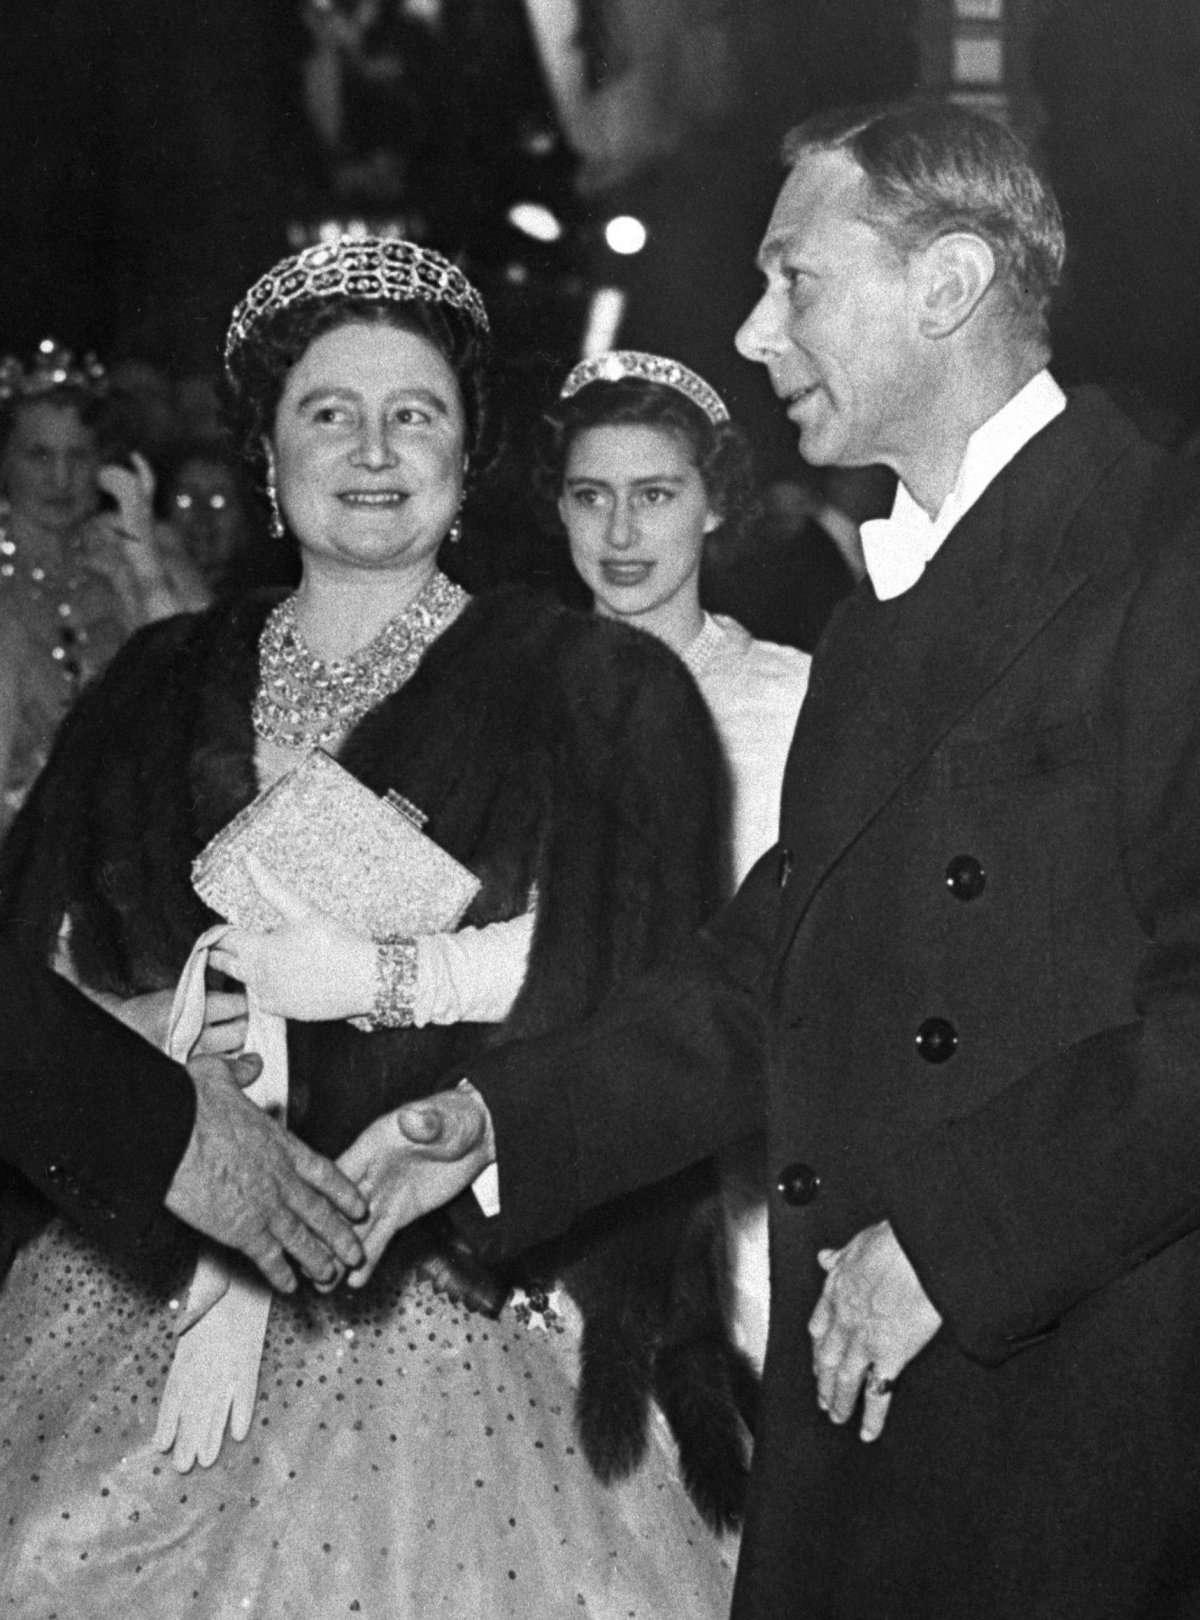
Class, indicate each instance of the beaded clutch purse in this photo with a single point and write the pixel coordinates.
(356, 856)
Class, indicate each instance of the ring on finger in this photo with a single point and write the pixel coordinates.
(875, 1385)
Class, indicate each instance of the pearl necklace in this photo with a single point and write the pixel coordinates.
(304, 702)
(704, 645)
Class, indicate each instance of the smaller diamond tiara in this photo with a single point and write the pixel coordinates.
(52, 366)
(382, 269)
(617, 364)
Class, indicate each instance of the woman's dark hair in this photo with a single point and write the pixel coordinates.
(258, 369)
(719, 449)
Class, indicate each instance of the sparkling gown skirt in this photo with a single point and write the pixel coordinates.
(407, 1459)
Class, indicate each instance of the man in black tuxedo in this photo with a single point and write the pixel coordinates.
(965, 985)
(112, 1132)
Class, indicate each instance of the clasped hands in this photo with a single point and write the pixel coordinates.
(872, 1318)
(408, 1162)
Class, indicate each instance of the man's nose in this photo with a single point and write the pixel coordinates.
(757, 338)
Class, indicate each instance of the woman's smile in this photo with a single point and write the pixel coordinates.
(373, 497)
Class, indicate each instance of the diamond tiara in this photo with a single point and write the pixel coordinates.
(378, 268)
(618, 364)
(51, 367)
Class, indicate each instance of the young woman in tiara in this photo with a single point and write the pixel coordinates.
(398, 1454)
(643, 464)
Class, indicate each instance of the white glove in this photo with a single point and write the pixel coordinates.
(214, 1376)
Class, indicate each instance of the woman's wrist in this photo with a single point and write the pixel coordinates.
(326, 977)
(395, 985)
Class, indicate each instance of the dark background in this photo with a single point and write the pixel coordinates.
(154, 154)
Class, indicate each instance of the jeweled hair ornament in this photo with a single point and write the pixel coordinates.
(377, 268)
(617, 364)
(51, 367)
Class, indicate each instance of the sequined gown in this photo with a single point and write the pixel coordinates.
(407, 1458)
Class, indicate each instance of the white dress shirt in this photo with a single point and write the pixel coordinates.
(898, 547)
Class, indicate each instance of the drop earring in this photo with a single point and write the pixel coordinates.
(276, 525)
(454, 533)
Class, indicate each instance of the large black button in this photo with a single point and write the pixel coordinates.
(798, 1184)
(966, 878)
(786, 862)
(937, 1039)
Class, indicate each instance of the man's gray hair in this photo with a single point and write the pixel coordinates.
(934, 167)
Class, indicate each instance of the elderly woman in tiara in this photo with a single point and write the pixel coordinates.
(390, 1449)
(82, 561)
(642, 464)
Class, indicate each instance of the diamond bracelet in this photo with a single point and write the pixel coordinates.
(395, 985)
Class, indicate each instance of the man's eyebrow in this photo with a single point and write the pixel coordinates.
(777, 248)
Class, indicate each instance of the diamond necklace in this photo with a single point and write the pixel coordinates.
(303, 702)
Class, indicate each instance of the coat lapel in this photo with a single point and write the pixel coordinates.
(891, 679)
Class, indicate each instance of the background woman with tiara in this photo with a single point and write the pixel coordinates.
(82, 561)
(642, 464)
(399, 1454)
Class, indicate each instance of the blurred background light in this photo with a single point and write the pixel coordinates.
(625, 234)
(605, 309)
(535, 220)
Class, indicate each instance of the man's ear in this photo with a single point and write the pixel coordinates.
(953, 277)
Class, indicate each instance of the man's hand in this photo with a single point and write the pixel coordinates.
(414, 1161)
(872, 1318)
(247, 1182)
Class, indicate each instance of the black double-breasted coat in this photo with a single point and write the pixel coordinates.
(90, 1114)
(965, 987)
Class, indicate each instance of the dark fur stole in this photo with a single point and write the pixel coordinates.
(552, 752)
